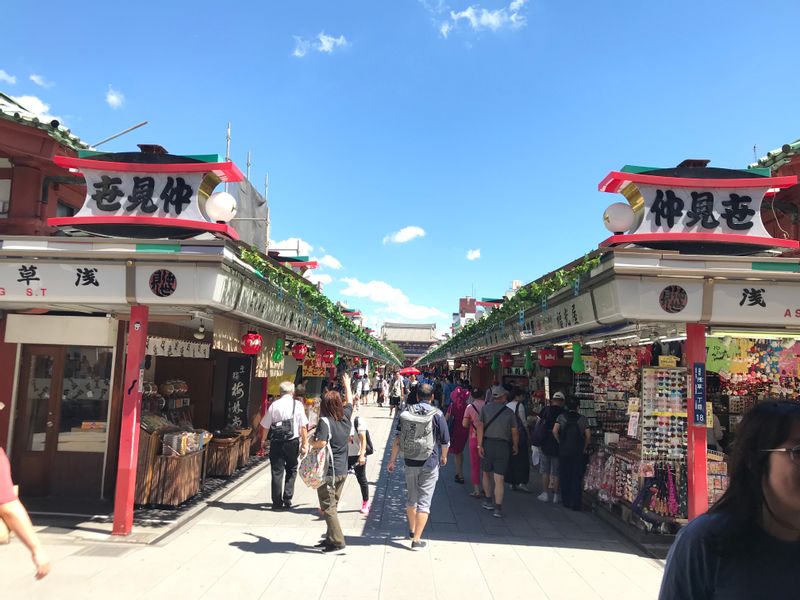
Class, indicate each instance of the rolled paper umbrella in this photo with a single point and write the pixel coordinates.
(529, 361)
(495, 362)
(277, 355)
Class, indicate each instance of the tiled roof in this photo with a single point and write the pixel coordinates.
(11, 110)
(778, 157)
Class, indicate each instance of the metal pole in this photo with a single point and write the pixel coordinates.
(228, 148)
(116, 135)
(266, 203)
(248, 166)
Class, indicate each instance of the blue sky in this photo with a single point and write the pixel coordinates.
(487, 125)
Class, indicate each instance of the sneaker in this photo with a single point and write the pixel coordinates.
(544, 497)
(365, 506)
(556, 498)
(329, 549)
(418, 545)
(323, 542)
(497, 513)
(287, 504)
(523, 488)
(487, 505)
(411, 535)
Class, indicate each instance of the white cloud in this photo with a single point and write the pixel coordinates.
(328, 43)
(301, 47)
(41, 81)
(316, 278)
(36, 106)
(324, 43)
(329, 261)
(114, 98)
(474, 254)
(480, 19)
(406, 234)
(7, 78)
(292, 243)
(395, 301)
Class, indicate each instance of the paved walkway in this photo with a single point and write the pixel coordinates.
(238, 549)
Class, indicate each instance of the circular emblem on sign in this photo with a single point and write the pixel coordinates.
(673, 299)
(163, 283)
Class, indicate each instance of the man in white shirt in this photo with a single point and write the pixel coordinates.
(286, 426)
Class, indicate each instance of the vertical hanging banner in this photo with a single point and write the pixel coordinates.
(699, 393)
(237, 392)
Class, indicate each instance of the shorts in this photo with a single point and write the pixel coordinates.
(394, 401)
(420, 485)
(548, 465)
(496, 454)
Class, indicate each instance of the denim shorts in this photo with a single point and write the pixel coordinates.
(548, 465)
(420, 485)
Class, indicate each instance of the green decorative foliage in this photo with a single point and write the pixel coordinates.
(495, 362)
(578, 365)
(528, 361)
(312, 299)
(277, 354)
(526, 297)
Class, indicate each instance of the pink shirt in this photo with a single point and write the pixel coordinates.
(6, 486)
(473, 415)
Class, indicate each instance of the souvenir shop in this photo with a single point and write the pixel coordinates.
(669, 338)
(135, 346)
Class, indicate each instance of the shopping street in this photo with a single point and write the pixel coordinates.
(237, 547)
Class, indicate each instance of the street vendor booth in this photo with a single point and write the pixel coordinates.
(686, 314)
(131, 339)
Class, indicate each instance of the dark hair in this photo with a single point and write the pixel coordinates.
(767, 425)
(424, 393)
(331, 406)
(572, 403)
(477, 392)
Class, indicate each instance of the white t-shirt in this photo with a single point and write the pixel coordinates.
(365, 385)
(354, 446)
(281, 410)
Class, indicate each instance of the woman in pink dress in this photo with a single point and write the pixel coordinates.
(458, 433)
(470, 422)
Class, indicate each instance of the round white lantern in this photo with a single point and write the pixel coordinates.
(221, 207)
(619, 217)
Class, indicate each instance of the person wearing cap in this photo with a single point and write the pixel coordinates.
(548, 461)
(498, 439)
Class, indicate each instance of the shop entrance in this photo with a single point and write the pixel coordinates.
(61, 420)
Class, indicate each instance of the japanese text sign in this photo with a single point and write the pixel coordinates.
(699, 393)
(237, 394)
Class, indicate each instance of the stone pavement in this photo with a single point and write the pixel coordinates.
(237, 548)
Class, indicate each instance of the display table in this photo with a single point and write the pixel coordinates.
(176, 478)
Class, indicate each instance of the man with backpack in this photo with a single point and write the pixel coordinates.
(573, 435)
(548, 446)
(424, 440)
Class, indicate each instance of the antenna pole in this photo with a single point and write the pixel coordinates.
(116, 135)
(228, 148)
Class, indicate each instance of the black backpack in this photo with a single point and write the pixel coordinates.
(571, 438)
(370, 448)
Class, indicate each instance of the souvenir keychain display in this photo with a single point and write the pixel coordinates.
(664, 431)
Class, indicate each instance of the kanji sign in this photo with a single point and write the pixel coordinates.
(699, 393)
(237, 396)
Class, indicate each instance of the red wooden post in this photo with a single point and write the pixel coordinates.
(131, 417)
(697, 466)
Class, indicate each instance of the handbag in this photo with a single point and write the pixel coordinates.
(284, 430)
(313, 468)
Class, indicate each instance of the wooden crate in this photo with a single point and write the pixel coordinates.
(176, 478)
(223, 458)
(149, 446)
(244, 455)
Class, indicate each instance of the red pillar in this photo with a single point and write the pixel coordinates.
(131, 417)
(697, 466)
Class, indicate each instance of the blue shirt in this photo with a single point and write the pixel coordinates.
(701, 567)
(441, 437)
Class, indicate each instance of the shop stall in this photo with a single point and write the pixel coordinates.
(682, 320)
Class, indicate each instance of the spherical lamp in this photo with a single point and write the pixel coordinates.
(299, 351)
(220, 207)
(618, 218)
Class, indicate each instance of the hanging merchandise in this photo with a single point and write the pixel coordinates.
(251, 343)
(578, 365)
(549, 356)
(507, 360)
(299, 351)
(495, 362)
(528, 361)
(277, 354)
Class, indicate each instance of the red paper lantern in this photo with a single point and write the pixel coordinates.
(299, 351)
(328, 356)
(252, 342)
(507, 360)
(483, 362)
